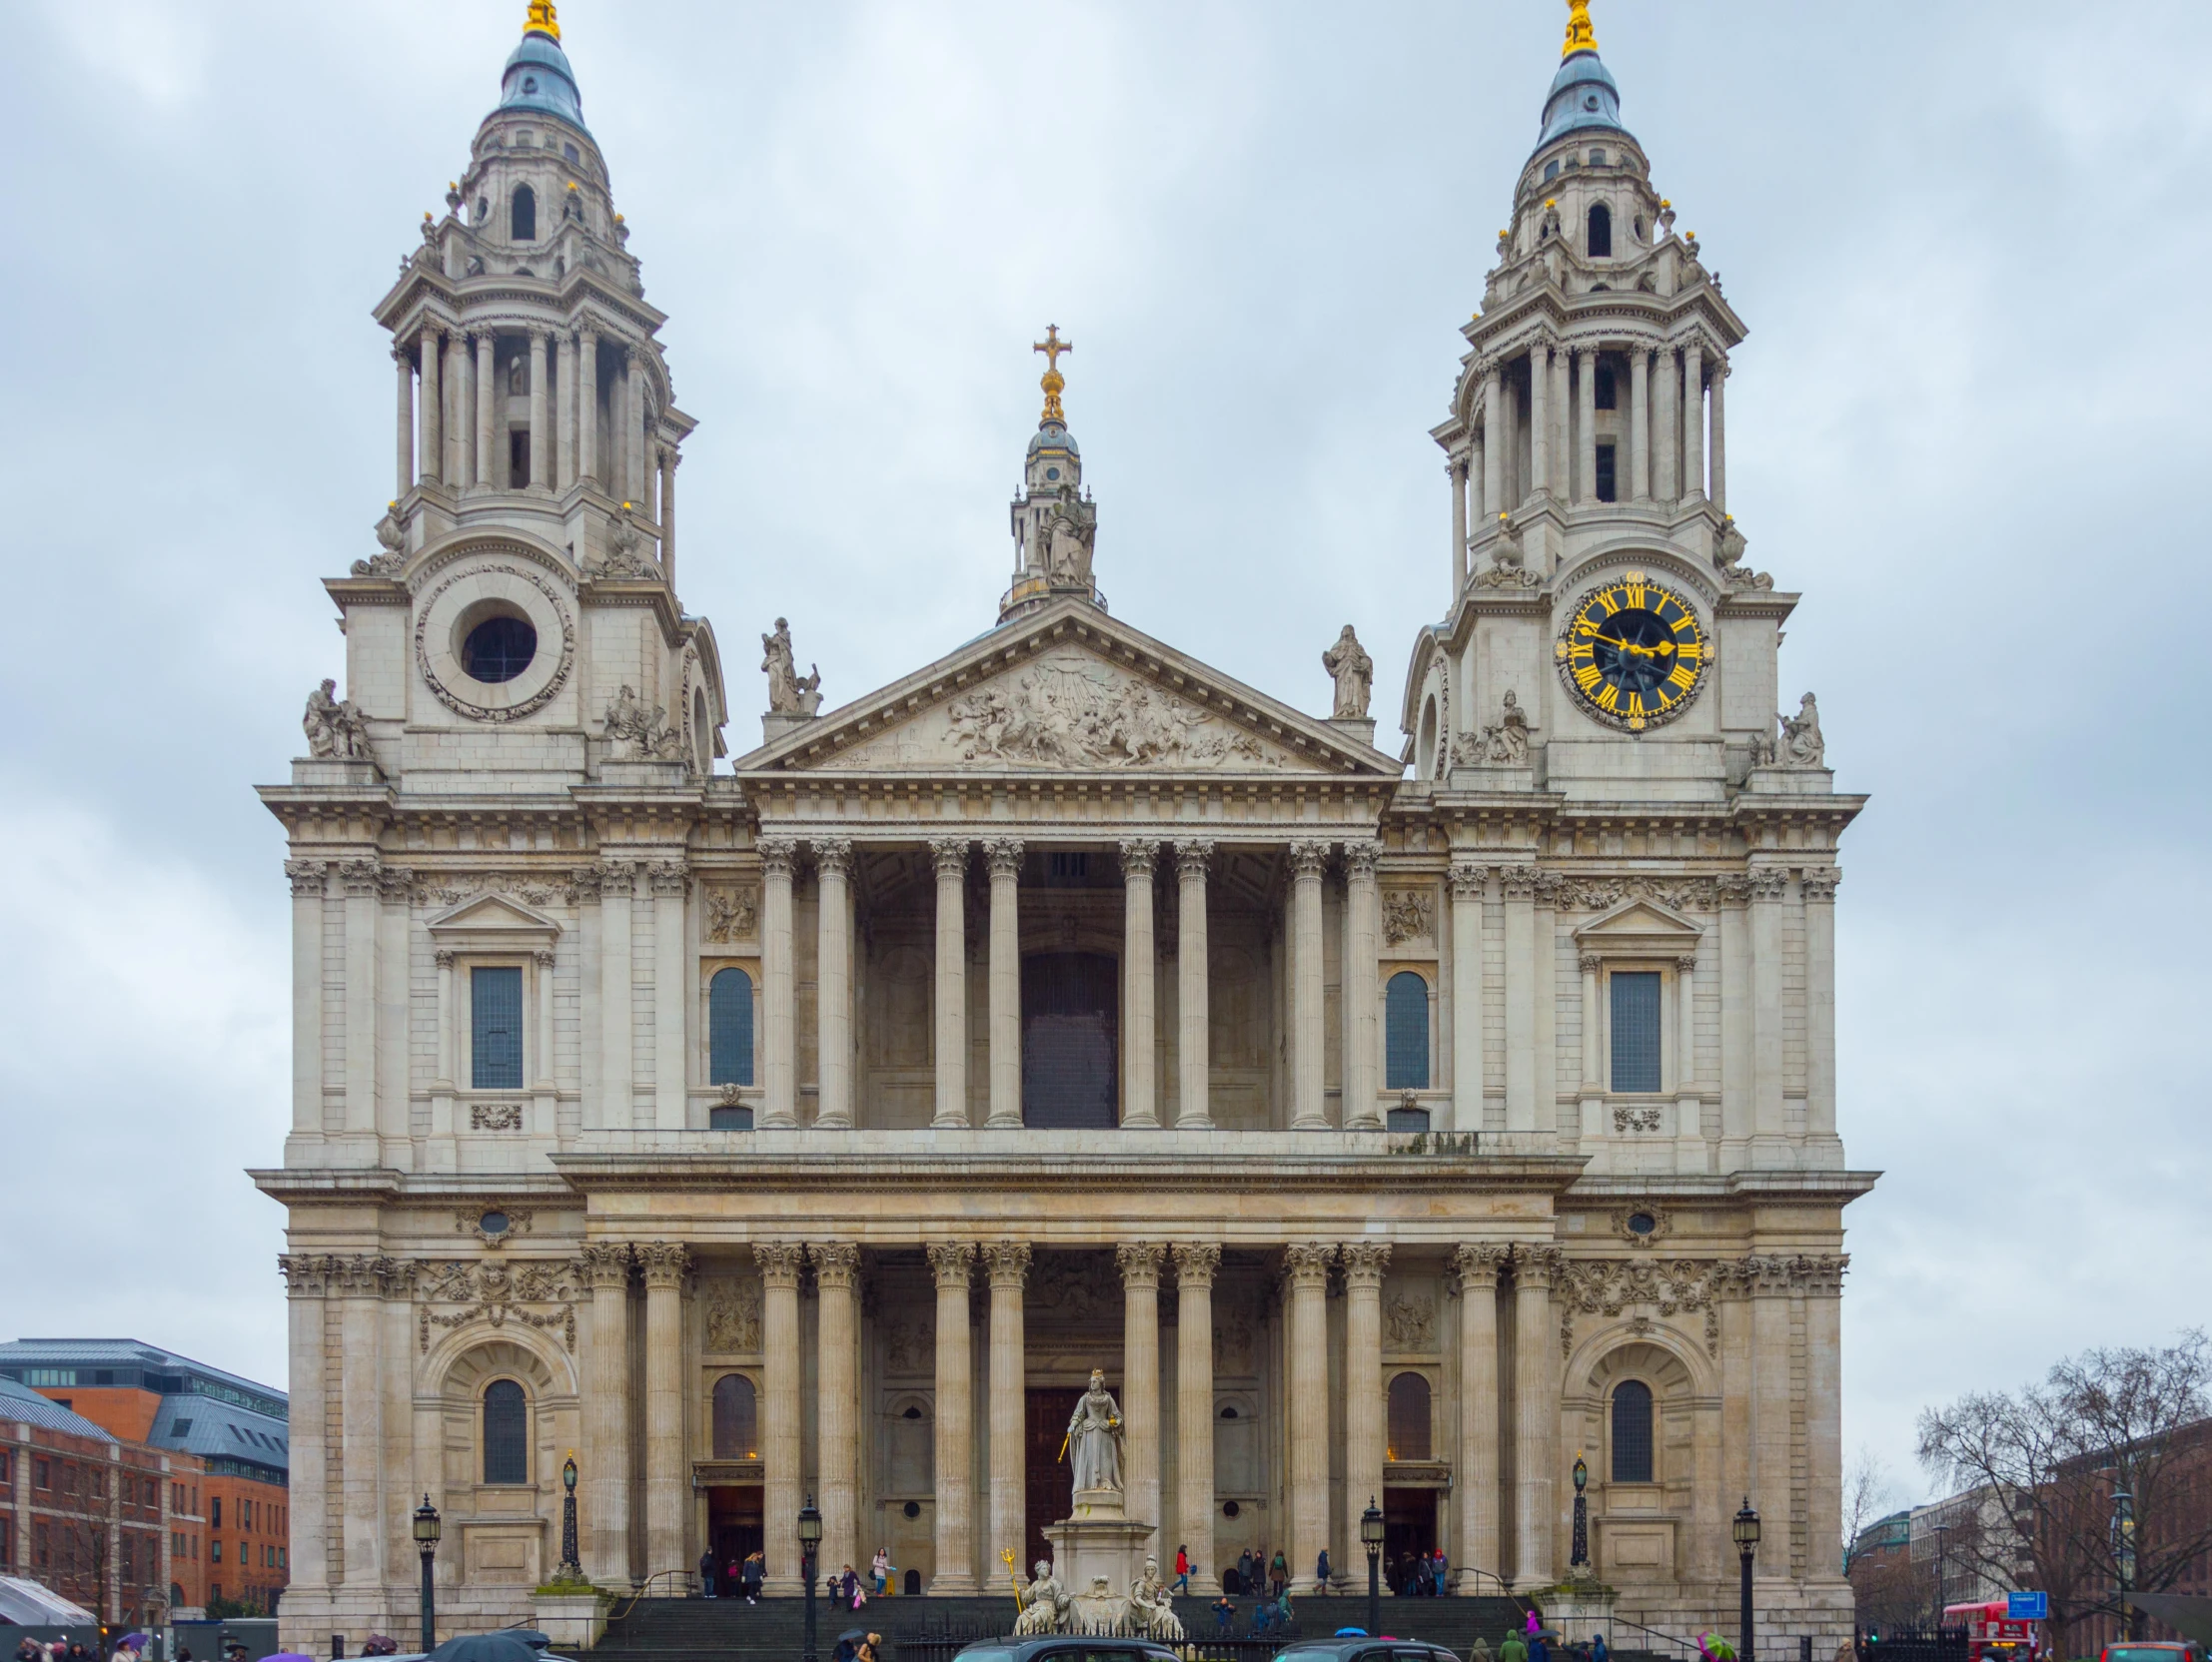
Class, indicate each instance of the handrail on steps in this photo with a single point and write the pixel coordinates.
(679, 1582)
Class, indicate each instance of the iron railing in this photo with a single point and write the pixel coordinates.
(1922, 1642)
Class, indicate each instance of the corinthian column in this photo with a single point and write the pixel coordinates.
(1693, 422)
(1640, 422)
(1477, 1474)
(1140, 1386)
(1362, 1084)
(587, 411)
(833, 955)
(540, 428)
(405, 432)
(782, 1263)
(1307, 1264)
(665, 1265)
(1717, 466)
(838, 1405)
(487, 393)
(1004, 854)
(1586, 420)
(1466, 883)
(954, 1264)
(951, 857)
(605, 1462)
(1536, 1414)
(1194, 1039)
(1364, 1262)
(1540, 417)
(1457, 469)
(1139, 1096)
(1308, 1111)
(1495, 428)
(1195, 1264)
(432, 466)
(778, 996)
(1007, 1262)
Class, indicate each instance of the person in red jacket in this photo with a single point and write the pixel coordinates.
(1183, 1570)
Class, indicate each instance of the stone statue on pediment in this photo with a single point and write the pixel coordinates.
(335, 730)
(789, 692)
(1354, 672)
(1802, 744)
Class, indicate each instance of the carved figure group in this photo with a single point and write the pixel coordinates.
(789, 692)
(635, 734)
(619, 561)
(1047, 1606)
(1801, 744)
(1506, 569)
(1506, 742)
(1729, 558)
(335, 730)
(1354, 672)
(1152, 1608)
(1062, 716)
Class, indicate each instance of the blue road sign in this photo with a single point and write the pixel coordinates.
(2027, 1607)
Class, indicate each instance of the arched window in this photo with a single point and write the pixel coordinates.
(505, 1433)
(1406, 1032)
(1599, 243)
(737, 1420)
(1632, 1432)
(1409, 1418)
(729, 1028)
(521, 214)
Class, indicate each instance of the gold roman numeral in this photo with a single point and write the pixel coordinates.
(1609, 698)
(1586, 676)
(1683, 677)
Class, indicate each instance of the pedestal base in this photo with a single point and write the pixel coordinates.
(1096, 1554)
(1576, 1608)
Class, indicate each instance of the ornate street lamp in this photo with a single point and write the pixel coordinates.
(1745, 1531)
(1371, 1538)
(810, 1540)
(571, 1569)
(426, 1530)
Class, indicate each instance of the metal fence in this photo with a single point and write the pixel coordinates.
(940, 1643)
(1923, 1643)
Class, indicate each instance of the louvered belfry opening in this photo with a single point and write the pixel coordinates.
(1070, 1017)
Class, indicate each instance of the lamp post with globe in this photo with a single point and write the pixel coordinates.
(1745, 1531)
(427, 1532)
(1371, 1538)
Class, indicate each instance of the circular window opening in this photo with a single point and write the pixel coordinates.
(499, 648)
(1229, 1508)
(530, 83)
(1641, 1222)
(1052, 472)
(912, 1509)
(493, 1222)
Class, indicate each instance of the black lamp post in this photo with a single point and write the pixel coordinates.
(1940, 1530)
(571, 1569)
(810, 1540)
(2123, 1556)
(1745, 1531)
(1371, 1538)
(426, 1530)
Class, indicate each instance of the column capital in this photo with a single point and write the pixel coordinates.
(1468, 880)
(605, 1264)
(1538, 1266)
(1006, 1261)
(1196, 1262)
(1477, 1264)
(1769, 883)
(836, 1263)
(1307, 859)
(777, 854)
(305, 1276)
(1138, 856)
(832, 854)
(949, 855)
(1005, 856)
(1365, 1261)
(1687, 964)
(445, 957)
(664, 1264)
(1520, 882)
(1817, 882)
(953, 1261)
(1193, 857)
(1732, 889)
(1360, 856)
(780, 1262)
(669, 877)
(309, 877)
(1139, 1262)
(1590, 963)
(1307, 1263)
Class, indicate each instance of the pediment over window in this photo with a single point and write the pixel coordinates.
(493, 922)
(1640, 929)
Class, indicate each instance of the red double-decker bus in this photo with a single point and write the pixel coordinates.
(1991, 1635)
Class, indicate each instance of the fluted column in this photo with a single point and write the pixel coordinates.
(838, 1403)
(1693, 422)
(1139, 1094)
(1495, 448)
(1718, 465)
(359, 1286)
(1478, 513)
(404, 421)
(433, 468)
(665, 1264)
(1194, 1036)
(1004, 855)
(1139, 1261)
(1536, 1414)
(634, 444)
(565, 422)
(1362, 1052)
(674, 976)
(781, 1264)
(1467, 882)
(1456, 469)
(491, 459)
(1562, 441)
(1364, 1447)
(951, 855)
(1639, 423)
(1475, 1476)
(617, 1024)
(778, 994)
(833, 960)
(604, 1475)
(588, 414)
(1667, 429)
(1526, 978)
(1817, 885)
(1306, 1263)
(308, 1477)
(1540, 417)
(458, 382)
(540, 428)
(668, 461)
(954, 1264)
(1586, 423)
(1007, 1262)
(1309, 1102)
(1195, 1264)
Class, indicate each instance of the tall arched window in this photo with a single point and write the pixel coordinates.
(737, 1420)
(505, 1433)
(729, 1028)
(1409, 1418)
(1632, 1432)
(1406, 1032)
(521, 214)
(1599, 243)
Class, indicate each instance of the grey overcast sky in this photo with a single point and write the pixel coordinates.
(1969, 238)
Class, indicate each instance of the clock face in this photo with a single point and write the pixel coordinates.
(1634, 653)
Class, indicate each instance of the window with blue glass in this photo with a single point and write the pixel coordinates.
(1632, 1432)
(1635, 1029)
(1406, 1032)
(495, 1027)
(505, 1433)
(729, 1028)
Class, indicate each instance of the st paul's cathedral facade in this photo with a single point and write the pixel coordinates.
(1386, 1123)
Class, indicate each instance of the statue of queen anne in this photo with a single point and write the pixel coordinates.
(1094, 1437)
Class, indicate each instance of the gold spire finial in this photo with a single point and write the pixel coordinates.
(1581, 37)
(1055, 382)
(541, 19)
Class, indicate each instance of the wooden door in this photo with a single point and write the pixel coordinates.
(1051, 1493)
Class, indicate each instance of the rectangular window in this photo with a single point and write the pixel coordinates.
(1601, 387)
(7, 1542)
(214, 1516)
(215, 1550)
(1606, 491)
(496, 1028)
(1635, 1031)
(42, 1474)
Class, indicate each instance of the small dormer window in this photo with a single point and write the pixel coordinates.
(569, 151)
(1550, 170)
(1597, 157)
(1589, 101)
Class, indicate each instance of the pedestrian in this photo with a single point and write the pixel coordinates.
(1480, 1650)
(1283, 1607)
(1183, 1570)
(1599, 1650)
(869, 1647)
(1321, 1571)
(1278, 1572)
(1263, 1613)
(30, 1650)
(882, 1570)
(754, 1571)
(849, 1588)
(706, 1575)
(1538, 1651)
(1225, 1613)
(1514, 1649)
(1244, 1571)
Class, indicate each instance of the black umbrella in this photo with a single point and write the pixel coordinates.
(485, 1647)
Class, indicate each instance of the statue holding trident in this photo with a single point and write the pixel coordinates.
(1094, 1433)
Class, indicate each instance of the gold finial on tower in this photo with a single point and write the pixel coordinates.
(541, 19)
(1581, 37)
(1055, 382)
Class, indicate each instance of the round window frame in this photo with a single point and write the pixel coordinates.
(474, 593)
(1591, 583)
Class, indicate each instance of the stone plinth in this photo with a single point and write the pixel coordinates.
(572, 1621)
(1791, 781)
(335, 772)
(1579, 1607)
(1354, 727)
(1099, 1540)
(776, 723)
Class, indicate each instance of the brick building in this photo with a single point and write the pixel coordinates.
(228, 1436)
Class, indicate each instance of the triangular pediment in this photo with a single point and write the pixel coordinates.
(1641, 926)
(493, 913)
(1070, 690)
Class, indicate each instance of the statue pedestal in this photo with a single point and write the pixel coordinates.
(1098, 1544)
(1579, 1606)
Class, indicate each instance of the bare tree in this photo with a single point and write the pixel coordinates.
(1869, 1493)
(2050, 1458)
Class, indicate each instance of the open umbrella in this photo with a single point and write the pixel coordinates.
(134, 1639)
(484, 1647)
(287, 1656)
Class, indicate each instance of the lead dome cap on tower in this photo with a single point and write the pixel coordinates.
(1582, 94)
(537, 76)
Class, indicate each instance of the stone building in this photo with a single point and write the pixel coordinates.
(813, 1127)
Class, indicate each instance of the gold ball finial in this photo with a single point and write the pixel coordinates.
(541, 19)
(1581, 37)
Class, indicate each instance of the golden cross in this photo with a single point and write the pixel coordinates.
(1581, 37)
(1052, 347)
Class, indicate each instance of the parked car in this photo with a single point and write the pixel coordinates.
(1364, 1650)
(1067, 1647)
(2151, 1650)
